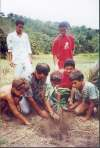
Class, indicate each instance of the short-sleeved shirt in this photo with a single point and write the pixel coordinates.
(19, 46)
(89, 92)
(62, 48)
(37, 86)
(66, 82)
(51, 91)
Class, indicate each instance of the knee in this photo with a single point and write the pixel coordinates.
(79, 110)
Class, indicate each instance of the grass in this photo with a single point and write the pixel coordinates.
(83, 62)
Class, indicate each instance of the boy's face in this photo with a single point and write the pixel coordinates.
(19, 28)
(77, 84)
(68, 69)
(40, 76)
(62, 30)
(20, 92)
(54, 83)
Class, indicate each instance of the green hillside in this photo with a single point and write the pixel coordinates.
(42, 33)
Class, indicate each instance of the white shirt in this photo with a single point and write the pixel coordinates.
(19, 46)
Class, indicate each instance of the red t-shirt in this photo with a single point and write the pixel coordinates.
(66, 82)
(63, 47)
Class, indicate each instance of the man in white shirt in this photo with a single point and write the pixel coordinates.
(19, 51)
(19, 56)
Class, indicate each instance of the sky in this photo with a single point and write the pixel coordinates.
(76, 12)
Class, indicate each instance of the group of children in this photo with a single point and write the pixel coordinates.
(67, 90)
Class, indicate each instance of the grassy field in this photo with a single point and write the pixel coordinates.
(83, 62)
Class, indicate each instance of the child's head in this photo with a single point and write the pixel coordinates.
(63, 27)
(55, 78)
(42, 70)
(19, 26)
(69, 66)
(77, 79)
(19, 87)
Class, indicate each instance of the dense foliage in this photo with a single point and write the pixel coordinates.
(41, 34)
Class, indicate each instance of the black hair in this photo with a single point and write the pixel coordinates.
(76, 75)
(56, 76)
(64, 24)
(69, 62)
(20, 83)
(42, 68)
(19, 21)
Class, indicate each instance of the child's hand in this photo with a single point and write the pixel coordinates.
(28, 123)
(54, 116)
(70, 101)
(42, 94)
(44, 114)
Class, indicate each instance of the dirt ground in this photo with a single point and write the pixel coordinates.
(50, 133)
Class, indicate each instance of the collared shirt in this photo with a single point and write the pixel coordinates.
(62, 48)
(19, 46)
(66, 82)
(38, 87)
(89, 92)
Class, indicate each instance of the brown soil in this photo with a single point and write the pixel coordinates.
(50, 133)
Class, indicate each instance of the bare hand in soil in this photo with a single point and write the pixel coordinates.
(28, 123)
(55, 116)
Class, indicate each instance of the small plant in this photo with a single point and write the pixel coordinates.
(59, 105)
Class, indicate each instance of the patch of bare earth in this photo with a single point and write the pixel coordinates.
(49, 133)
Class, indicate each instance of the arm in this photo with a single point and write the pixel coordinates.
(72, 44)
(10, 46)
(9, 56)
(55, 59)
(16, 112)
(50, 110)
(54, 52)
(37, 108)
(72, 95)
(29, 48)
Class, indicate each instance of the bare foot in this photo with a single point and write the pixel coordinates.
(5, 125)
(84, 118)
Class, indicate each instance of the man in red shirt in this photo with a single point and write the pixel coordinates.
(63, 46)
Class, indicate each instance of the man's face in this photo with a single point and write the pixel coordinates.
(40, 76)
(19, 28)
(68, 69)
(62, 30)
(77, 84)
